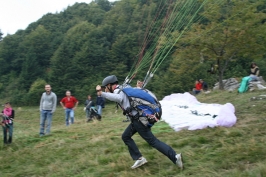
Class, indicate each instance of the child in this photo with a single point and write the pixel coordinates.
(7, 122)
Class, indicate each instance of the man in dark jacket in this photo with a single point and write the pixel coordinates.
(204, 85)
(100, 103)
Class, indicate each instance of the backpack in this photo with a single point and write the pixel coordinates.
(145, 102)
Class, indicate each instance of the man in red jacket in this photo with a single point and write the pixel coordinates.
(69, 103)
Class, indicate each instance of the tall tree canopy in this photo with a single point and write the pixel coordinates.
(76, 48)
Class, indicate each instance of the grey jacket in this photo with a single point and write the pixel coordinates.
(48, 102)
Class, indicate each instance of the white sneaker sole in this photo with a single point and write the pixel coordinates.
(140, 164)
(181, 159)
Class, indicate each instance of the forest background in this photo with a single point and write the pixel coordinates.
(76, 48)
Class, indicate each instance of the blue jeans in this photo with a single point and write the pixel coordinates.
(253, 78)
(99, 109)
(69, 113)
(196, 92)
(45, 115)
(145, 132)
(8, 130)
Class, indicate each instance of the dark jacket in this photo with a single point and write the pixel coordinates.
(100, 101)
(88, 104)
(204, 86)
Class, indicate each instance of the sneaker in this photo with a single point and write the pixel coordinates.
(139, 162)
(179, 162)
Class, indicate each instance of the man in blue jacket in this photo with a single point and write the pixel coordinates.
(100, 103)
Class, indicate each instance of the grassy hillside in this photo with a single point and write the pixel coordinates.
(96, 149)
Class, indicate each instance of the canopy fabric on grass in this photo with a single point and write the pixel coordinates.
(184, 111)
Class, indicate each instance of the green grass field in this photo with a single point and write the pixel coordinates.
(96, 149)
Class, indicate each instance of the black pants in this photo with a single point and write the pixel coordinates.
(146, 134)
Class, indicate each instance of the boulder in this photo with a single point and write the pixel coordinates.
(232, 84)
(229, 84)
(259, 84)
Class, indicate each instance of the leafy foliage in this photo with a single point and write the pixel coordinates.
(76, 48)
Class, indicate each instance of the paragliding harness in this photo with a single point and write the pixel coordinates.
(148, 109)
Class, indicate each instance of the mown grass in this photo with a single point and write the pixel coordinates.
(96, 149)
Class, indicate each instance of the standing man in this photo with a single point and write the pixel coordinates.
(113, 93)
(47, 108)
(69, 103)
(100, 103)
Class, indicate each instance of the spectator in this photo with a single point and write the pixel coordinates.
(69, 103)
(198, 88)
(254, 72)
(139, 84)
(88, 104)
(100, 103)
(47, 108)
(7, 122)
(204, 85)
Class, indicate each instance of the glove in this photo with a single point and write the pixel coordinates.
(84, 108)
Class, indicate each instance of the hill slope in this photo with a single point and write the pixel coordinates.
(96, 149)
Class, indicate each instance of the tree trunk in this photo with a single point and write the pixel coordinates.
(221, 84)
(221, 73)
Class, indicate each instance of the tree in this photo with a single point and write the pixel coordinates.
(235, 29)
(31, 70)
(104, 4)
(1, 34)
(35, 53)
(9, 52)
(35, 91)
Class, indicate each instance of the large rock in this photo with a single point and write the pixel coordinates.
(232, 84)
(229, 84)
(260, 84)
